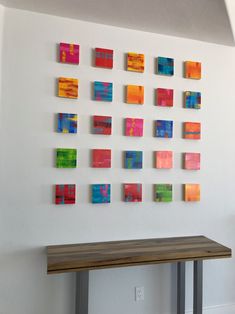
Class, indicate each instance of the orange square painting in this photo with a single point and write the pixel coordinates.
(192, 130)
(192, 70)
(68, 87)
(192, 192)
(135, 62)
(135, 94)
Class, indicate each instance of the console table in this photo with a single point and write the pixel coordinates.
(81, 258)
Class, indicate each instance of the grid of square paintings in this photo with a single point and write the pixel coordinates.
(133, 127)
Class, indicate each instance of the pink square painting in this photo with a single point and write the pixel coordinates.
(192, 161)
(69, 53)
(134, 127)
(164, 159)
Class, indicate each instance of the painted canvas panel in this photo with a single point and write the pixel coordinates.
(192, 161)
(104, 58)
(67, 87)
(135, 94)
(133, 192)
(164, 128)
(133, 159)
(66, 158)
(192, 100)
(192, 70)
(103, 91)
(192, 192)
(65, 194)
(101, 193)
(101, 158)
(102, 125)
(67, 123)
(69, 53)
(192, 130)
(164, 159)
(134, 127)
(164, 97)
(163, 192)
(135, 62)
(165, 66)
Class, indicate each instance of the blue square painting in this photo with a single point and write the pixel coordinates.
(192, 100)
(67, 123)
(165, 66)
(164, 128)
(133, 159)
(103, 91)
(101, 193)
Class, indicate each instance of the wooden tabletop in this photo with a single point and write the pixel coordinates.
(98, 255)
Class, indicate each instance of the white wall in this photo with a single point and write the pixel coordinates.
(29, 219)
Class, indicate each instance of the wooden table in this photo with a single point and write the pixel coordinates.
(81, 258)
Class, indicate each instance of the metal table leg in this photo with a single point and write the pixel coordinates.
(82, 285)
(181, 288)
(197, 287)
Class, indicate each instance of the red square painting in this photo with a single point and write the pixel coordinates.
(104, 58)
(101, 158)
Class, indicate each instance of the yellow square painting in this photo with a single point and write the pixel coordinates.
(192, 192)
(135, 94)
(135, 62)
(192, 70)
(67, 87)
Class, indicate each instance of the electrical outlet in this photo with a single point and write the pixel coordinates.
(139, 293)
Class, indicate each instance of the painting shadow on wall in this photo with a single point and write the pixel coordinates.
(57, 52)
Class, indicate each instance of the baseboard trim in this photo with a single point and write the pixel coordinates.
(218, 309)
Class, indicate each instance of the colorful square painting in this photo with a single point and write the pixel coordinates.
(101, 193)
(67, 87)
(103, 91)
(163, 192)
(192, 130)
(164, 159)
(192, 192)
(164, 128)
(192, 100)
(101, 158)
(135, 94)
(67, 123)
(192, 161)
(192, 70)
(133, 159)
(134, 127)
(135, 62)
(132, 192)
(65, 194)
(66, 158)
(102, 125)
(104, 58)
(164, 97)
(69, 53)
(165, 66)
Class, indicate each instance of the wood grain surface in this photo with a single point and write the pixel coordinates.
(98, 255)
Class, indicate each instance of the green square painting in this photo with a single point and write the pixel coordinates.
(163, 192)
(66, 158)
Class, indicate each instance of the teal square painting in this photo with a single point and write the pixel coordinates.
(101, 193)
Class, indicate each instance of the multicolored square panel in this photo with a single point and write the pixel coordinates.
(165, 66)
(67, 87)
(69, 53)
(164, 97)
(133, 159)
(164, 159)
(134, 127)
(67, 123)
(102, 125)
(132, 192)
(192, 70)
(192, 130)
(103, 91)
(164, 128)
(192, 100)
(104, 58)
(163, 192)
(65, 194)
(135, 62)
(101, 193)
(101, 158)
(135, 94)
(192, 192)
(66, 158)
(192, 161)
